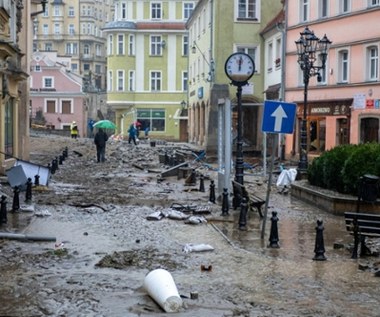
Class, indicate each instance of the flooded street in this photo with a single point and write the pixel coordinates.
(105, 246)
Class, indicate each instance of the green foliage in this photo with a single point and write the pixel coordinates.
(340, 168)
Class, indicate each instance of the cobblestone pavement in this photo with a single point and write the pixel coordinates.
(105, 245)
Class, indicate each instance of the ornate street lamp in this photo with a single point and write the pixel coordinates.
(309, 48)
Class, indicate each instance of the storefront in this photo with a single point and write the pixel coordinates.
(328, 125)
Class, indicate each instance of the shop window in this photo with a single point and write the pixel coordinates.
(369, 130)
(154, 119)
(316, 135)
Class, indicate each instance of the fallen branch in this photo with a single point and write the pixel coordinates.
(25, 237)
(88, 206)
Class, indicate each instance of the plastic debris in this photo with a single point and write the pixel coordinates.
(190, 247)
(42, 213)
(194, 220)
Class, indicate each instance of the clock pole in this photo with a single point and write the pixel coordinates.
(239, 166)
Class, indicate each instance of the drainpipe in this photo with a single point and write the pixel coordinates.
(43, 3)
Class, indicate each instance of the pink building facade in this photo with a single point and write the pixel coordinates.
(56, 97)
(344, 107)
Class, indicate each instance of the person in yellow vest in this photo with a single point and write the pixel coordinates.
(74, 130)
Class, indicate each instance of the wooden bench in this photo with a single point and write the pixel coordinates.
(362, 225)
(253, 201)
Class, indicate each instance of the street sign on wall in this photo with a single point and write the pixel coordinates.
(278, 117)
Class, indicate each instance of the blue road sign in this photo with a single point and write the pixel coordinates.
(278, 117)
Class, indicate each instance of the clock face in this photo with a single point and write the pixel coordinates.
(239, 67)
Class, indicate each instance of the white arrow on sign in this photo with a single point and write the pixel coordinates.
(279, 114)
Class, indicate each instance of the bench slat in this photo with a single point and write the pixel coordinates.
(352, 215)
(367, 223)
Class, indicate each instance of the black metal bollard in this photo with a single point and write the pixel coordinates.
(53, 166)
(66, 152)
(167, 159)
(63, 155)
(243, 214)
(356, 238)
(3, 209)
(16, 199)
(202, 184)
(60, 160)
(225, 204)
(56, 163)
(28, 191)
(212, 192)
(273, 237)
(37, 180)
(319, 249)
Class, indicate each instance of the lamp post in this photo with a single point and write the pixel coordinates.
(309, 49)
(239, 68)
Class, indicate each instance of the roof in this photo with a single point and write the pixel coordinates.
(279, 18)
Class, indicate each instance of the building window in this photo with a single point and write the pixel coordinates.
(57, 11)
(48, 47)
(57, 28)
(66, 107)
(247, 9)
(37, 68)
(154, 119)
(45, 29)
(86, 49)
(98, 50)
(373, 3)
(270, 57)
(155, 45)
(131, 84)
(48, 82)
(72, 48)
(120, 80)
(369, 130)
(50, 106)
(120, 44)
(373, 63)
(110, 45)
(185, 45)
(110, 81)
(71, 29)
(323, 8)
(344, 6)
(131, 47)
(123, 14)
(155, 81)
(86, 67)
(74, 67)
(188, 8)
(185, 80)
(343, 66)
(304, 10)
(156, 10)
(322, 72)
(71, 11)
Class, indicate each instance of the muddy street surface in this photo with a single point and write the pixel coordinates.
(105, 245)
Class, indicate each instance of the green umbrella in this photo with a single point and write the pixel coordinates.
(105, 124)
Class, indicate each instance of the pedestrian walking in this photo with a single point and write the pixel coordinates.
(132, 134)
(74, 130)
(100, 140)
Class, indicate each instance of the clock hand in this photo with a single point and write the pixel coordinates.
(240, 62)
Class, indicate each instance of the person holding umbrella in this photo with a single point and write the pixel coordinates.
(100, 140)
